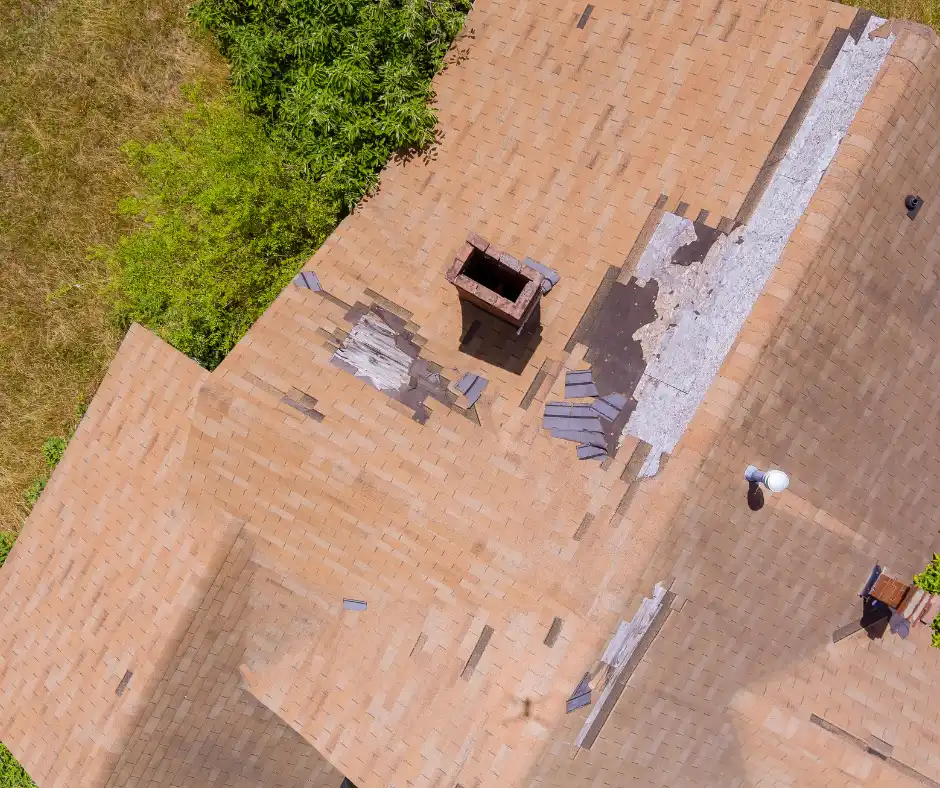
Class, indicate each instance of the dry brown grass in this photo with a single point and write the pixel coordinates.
(77, 79)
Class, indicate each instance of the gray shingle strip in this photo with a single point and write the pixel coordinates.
(578, 376)
(569, 423)
(581, 436)
(309, 280)
(550, 276)
(605, 410)
(581, 390)
(128, 675)
(609, 407)
(581, 695)
(464, 384)
(474, 392)
(354, 604)
(573, 704)
(571, 409)
(587, 452)
(471, 386)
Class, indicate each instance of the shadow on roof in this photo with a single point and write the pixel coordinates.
(495, 341)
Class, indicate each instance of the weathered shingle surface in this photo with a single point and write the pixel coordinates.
(833, 380)
(467, 535)
(105, 572)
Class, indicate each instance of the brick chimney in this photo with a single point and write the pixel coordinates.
(495, 281)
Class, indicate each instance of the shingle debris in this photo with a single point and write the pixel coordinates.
(588, 452)
(581, 695)
(566, 423)
(573, 410)
(550, 275)
(354, 604)
(582, 436)
(580, 384)
(471, 386)
(581, 422)
(609, 407)
(309, 280)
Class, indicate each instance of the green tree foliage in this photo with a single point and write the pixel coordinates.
(12, 775)
(344, 83)
(929, 579)
(226, 217)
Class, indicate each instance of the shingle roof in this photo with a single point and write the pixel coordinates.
(469, 533)
(104, 571)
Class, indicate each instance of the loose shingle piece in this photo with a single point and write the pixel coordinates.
(609, 407)
(309, 280)
(354, 604)
(581, 422)
(588, 452)
(580, 384)
(575, 410)
(591, 424)
(581, 436)
(550, 276)
(471, 386)
(581, 695)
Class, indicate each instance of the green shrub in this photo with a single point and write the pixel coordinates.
(929, 581)
(12, 775)
(225, 218)
(32, 493)
(6, 544)
(344, 84)
(52, 450)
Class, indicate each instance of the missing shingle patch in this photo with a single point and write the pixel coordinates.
(419, 644)
(582, 529)
(540, 377)
(380, 350)
(302, 402)
(477, 652)
(585, 16)
(553, 632)
(124, 682)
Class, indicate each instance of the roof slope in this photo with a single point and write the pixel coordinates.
(834, 380)
(104, 574)
(200, 726)
(452, 528)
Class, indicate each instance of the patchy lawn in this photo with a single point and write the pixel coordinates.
(925, 11)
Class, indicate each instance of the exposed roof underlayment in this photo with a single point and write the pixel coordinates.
(700, 312)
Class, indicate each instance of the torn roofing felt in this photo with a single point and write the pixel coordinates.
(381, 351)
